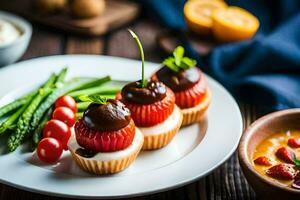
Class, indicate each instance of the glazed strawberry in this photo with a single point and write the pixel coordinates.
(282, 171)
(190, 97)
(263, 160)
(147, 110)
(105, 127)
(181, 75)
(104, 141)
(294, 142)
(286, 155)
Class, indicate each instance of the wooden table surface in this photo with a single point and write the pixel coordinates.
(226, 182)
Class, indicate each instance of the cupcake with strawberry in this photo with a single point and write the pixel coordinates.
(152, 107)
(106, 139)
(188, 84)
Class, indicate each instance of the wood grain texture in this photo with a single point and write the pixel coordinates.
(226, 182)
(117, 14)
(79, 45)
(44, 43)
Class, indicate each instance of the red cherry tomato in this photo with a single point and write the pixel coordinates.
(58, 130)
(49, 150)
(66, 101)
(65, 115)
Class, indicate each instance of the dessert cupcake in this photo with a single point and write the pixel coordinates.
(153, 109)
(106, 140)
(188, 84)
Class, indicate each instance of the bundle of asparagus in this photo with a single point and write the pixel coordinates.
(27, 115)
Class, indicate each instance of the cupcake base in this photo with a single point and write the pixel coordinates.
(108, 163)
(160, 135)
(197, 113)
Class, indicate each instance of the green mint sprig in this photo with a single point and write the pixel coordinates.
(143, 81)
(178, 61)
(93, 98)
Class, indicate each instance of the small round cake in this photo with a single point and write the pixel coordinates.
(154, 111)
(152, 107)
(188, 83)
(106, 140)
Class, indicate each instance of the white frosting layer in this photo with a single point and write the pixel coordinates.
(8, 33)
(165, 126)
(135, 146)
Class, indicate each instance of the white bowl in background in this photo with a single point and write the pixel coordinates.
(11, 52)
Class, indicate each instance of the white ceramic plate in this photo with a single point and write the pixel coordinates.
(191, 155)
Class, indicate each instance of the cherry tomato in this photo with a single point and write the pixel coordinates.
(65, 115)
(66, 101)
(58, 130)
(49, 150)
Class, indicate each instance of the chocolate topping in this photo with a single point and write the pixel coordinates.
(85, 153)
(153, 92)
(179, 81)
(111, 116)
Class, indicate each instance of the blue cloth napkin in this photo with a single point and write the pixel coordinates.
(264, 70)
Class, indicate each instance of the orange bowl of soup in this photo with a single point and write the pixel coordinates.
(269, 155)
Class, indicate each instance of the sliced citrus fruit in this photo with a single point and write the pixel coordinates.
(198, 14)
(234, 24)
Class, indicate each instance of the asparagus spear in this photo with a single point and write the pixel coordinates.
(22, 100)
(15, 104)
(36, 137)
(96, 90)
(23, 124)
(9, 122)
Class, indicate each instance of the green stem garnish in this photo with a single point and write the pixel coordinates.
(93, 99)
(178, 61)
(143, 81)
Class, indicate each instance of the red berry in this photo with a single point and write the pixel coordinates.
(66, 101)
(294, 143)
(65, 115)
(286, 155)
(151, 114)
(263, 160)
(282, 171)
(49, 150)
(58, 130)
(192, 96)
(104, 141)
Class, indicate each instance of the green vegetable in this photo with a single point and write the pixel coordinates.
(15, 104)
(143, 82)
(96, 90)
(9, 122)
(36, 137)
(23, 124)
(88, 83)
(178, 61)
(93, 99)
(60, 79)
(82, 106)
